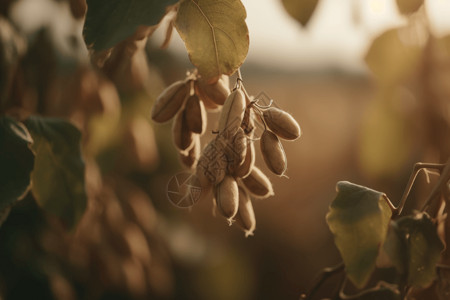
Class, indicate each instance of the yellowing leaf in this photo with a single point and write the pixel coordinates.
(301, 10)
(58, 174)
(408, 6)
(109, 22)
(215, 35)
(423, 248)
(358, 219)
(394, 54)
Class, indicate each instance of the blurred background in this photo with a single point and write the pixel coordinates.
(369, 87)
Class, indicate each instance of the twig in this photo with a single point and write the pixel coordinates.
(416, 169)
(321, 278)
(440, 186)
(239, 79)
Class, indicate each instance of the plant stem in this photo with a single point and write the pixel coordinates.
(440, 186)
(239, 79)
(416, 169)
(321, 278)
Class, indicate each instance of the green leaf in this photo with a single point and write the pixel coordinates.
(423, 248)
(394, 54)
(58, 175)
(109, 22)
(215, 35)
(16, 161)
(393, 250)
(358, 219)
(301, 10)
(408, 6)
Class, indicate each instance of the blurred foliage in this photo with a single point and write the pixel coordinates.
(58, 173)
(409, 6)
(73, 115)
(74, 130)
(110, 22)
(302, 11)
(16, 160)
(123, 245)
(408, 121)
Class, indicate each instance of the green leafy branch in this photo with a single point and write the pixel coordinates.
(214, 32)
(371, 232)
(42, 155)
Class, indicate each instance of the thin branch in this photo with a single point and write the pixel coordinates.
(321, 278)
(239, 81)
(239, 74)
(366, 292)
(442, 267)
(440, 186)
(416, 169)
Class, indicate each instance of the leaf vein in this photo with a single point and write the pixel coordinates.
(216, 52)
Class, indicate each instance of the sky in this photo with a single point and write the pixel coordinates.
(335, 36)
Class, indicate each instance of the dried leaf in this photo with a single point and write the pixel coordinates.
(215, 35)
